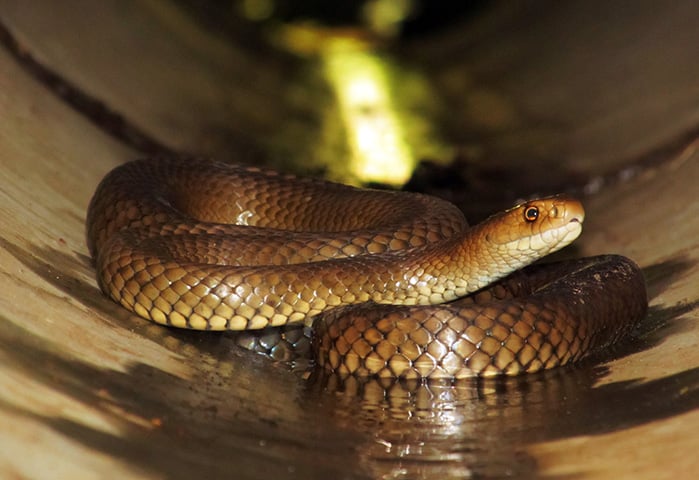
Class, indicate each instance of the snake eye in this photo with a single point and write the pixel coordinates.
(531, 214)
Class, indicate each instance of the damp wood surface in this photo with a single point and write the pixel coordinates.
(587, 95)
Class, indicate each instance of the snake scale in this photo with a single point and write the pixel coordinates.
(384, 276)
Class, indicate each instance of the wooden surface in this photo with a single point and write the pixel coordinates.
(88, 391)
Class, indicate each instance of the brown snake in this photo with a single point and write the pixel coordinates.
(208, 246)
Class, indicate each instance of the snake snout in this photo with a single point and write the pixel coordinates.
(570, 210)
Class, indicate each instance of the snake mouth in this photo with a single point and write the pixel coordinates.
(575, 211)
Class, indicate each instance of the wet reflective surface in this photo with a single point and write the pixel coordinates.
(241, 413)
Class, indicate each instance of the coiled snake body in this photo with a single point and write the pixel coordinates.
(209, 246)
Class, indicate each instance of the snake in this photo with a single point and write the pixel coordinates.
(395, 284)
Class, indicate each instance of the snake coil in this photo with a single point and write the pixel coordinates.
(204, 245)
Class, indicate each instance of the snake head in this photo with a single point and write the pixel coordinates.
(535, 228)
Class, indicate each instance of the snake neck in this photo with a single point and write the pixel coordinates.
(485, 261)
(477, 261)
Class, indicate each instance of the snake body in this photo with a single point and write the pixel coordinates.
(203, 245)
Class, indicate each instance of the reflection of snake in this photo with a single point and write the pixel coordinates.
(161, 235)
